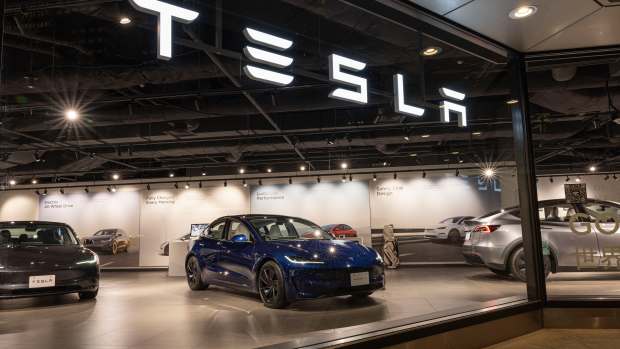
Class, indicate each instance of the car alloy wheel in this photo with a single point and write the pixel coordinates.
(194, 274)
(114, 247)
(271, 286)
(518, 268)
(454, 236)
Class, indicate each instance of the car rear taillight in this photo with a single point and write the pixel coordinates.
(487, 229)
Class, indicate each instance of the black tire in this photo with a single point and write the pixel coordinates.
(86, 295)
(517, 264)
(454, 237)
(271, 286)
(363, 295)
(194, 274)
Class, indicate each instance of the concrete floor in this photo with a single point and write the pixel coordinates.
(151, 310)
(564, 339)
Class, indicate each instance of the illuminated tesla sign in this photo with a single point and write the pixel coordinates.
(165, 13)
(267, 50)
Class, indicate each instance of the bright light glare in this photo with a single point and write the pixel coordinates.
(431, 51)
(489, 173)
(12, 182)
(125, 20)
(116, 176)
(523, 12)
(592, 168)
(72, 114)
(344, 165)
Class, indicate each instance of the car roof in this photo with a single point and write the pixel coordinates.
(250, 216)
(31, 222)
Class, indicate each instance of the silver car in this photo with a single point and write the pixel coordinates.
(452, 229)
(576, 237)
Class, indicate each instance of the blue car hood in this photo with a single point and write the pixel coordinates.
(335, 253)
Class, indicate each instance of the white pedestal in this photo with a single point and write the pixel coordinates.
(176, 262)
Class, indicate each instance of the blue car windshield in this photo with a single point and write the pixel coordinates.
(285, 228)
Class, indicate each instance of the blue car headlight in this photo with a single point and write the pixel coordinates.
(379, 258)
(302, 260)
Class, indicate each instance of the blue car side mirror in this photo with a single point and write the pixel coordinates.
(240, 238)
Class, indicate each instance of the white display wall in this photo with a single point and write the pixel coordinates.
(323, 203)
(416, 204)
(166, 214)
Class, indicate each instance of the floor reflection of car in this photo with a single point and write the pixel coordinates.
(164, 249)
(108, 240)
(452, 229)
(582, 245)
(340, 231)
(283, 259)
(44, 258)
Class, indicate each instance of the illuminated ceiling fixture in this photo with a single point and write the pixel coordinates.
(489, 172)
(204, 173)
(114, 189)
(425, 136)
(269, 170)
(34, 181)
(245, 184)
(302, 168)
(187, 186)
(72, 114)
(344, 178)
(12, 182)
(116, 176)
(477, 133)
(592, 168)
(374, 177)
(512, 101)
(125, 20)
(406, 138)
(523, 12)
(344, 165)
(413, 155)
(242, 170)
(431, 51)
(171, 175)
(578, 180)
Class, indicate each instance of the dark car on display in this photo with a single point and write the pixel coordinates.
(108, 240)
(283, 259)
(576, 237)
(340, 231)
(45, 258)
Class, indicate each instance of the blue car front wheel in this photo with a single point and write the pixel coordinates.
(194, 275)
(271, 286)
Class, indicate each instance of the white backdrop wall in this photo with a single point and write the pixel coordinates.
(166, 214)
(19, 206)
(323, 203)
(419, 203)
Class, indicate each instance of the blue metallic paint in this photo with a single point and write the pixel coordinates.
(236, 264)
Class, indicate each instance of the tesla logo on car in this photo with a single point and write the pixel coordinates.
(165, 13)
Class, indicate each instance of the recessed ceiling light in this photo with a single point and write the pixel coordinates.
(523, 12)
(116, 176)
(125, 20)
(592, 168)
(512, 101)
(72, 114)
(344, 165)
(413, 155)
(477, 133)
(269, 170)
(302, 168)
(12, 182)
(34, 181)
(241, 170)
(425, 136)
(431, 51)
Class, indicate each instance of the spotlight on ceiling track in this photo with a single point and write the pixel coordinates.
(269, 170)
(171, 174)
(176, 185)
(395, 175)
(302, 168)
(37, 192)
(350, 178)
(62, 191)
(116, 176)
(512, 101)
(241, 170)
(34, 181)
(551, 179)
(109, 189)
(457, 173)
(245, 184)
(72, 114)
(343, 179)
(200, 185)
(12, 182)
(290, 180)
(260, 182)
(114, 189)
(615, 177)
(374, 177)
(592, 168)
(344, 165)
(187, 186)
(86, 190)
(607, 177)
(567, 179)
(225, 184)
(124, 20)
(318, 179)
(578, 180)
(148, 187)
(423, 174)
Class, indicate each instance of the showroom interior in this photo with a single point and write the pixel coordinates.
(469, 147)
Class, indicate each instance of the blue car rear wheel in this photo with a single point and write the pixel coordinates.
(271, 286)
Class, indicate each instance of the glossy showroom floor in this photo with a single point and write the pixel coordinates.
(150, 310)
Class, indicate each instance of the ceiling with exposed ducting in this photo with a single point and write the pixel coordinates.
(198, 113)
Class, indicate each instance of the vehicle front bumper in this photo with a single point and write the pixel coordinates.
(14, 284)
(319, 283)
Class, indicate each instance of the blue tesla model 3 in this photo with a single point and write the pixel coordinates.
(283, 259)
